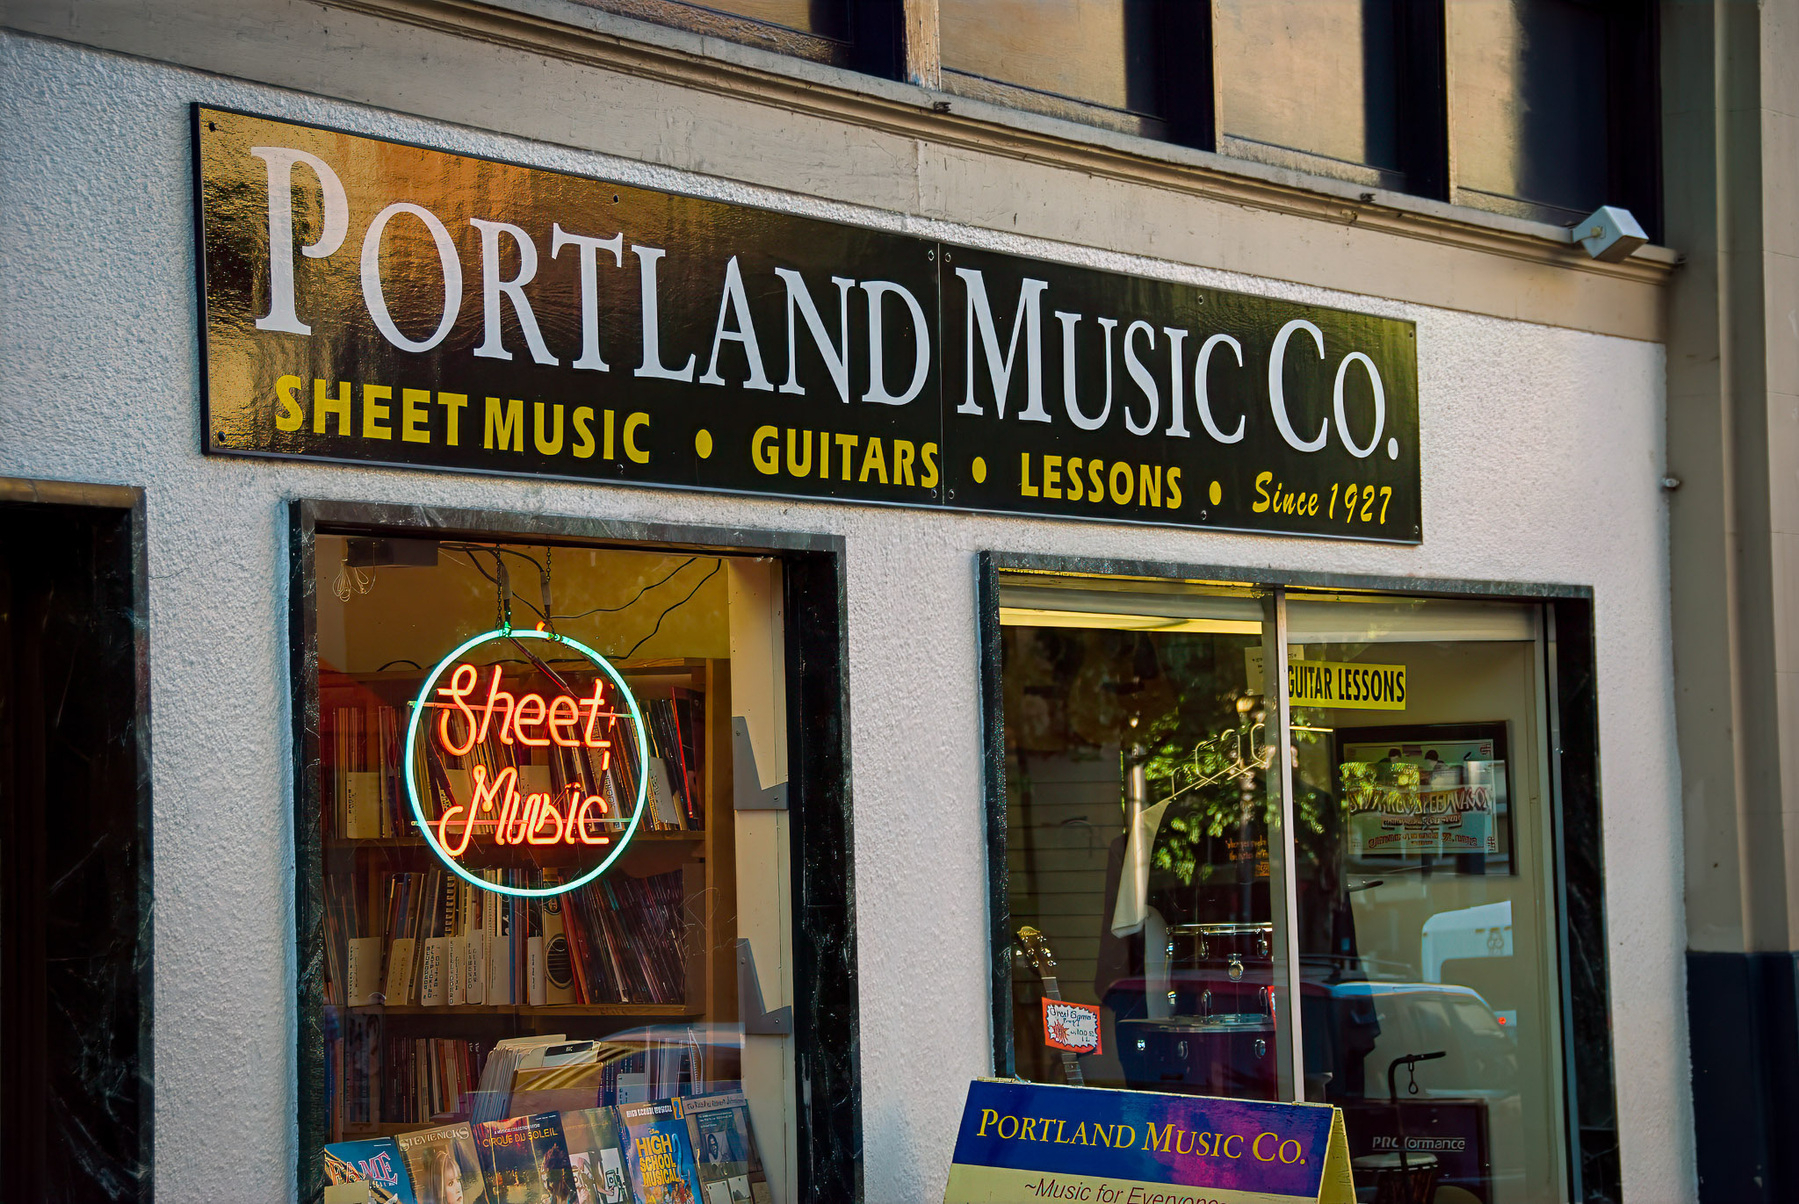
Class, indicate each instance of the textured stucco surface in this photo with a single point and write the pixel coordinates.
(1542, 454)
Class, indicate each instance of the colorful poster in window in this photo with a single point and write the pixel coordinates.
(596, 1156)
(659, 1153)
(445, 1166)
(1423, 795)
(376, 1163)
(524, 1160)
(725, 1149)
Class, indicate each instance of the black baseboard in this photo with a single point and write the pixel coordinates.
(1743, 1010)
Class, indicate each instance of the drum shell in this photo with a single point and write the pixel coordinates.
(1186, 1056)
(1221, 969)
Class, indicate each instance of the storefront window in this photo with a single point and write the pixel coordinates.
(553, 963)
(1163, 863)
(75, 951)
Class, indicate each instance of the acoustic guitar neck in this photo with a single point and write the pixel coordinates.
(1036, 950)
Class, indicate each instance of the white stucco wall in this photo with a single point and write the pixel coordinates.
(1542, 453)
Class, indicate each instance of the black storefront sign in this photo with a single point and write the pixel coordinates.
(381, 303)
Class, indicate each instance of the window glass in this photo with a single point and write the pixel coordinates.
(506, 1037)
(1426, 913)
(1139, 868)
(1314, 76)
(1528, 105)
(1028, 43)
(1146, 863)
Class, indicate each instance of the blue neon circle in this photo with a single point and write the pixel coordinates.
(418, 810)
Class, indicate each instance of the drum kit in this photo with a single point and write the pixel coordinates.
(1219, 1039)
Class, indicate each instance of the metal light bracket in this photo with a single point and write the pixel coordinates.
(746, 791)
(778, 1023)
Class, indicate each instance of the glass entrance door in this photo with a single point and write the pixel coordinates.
(1424, 889)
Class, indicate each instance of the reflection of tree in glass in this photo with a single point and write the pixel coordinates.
(1074, 691)
(1178, 705)
(1208, 746)
(1212, 747)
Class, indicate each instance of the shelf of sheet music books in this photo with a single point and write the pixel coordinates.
(427, 975)
(698, 1149)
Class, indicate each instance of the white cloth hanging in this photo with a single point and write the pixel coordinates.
(1132, 905)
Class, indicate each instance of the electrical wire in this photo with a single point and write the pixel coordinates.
(717, 564)
(598, 610)
(500, 580)
(496, 549)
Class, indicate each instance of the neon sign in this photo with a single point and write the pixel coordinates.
(474, 710)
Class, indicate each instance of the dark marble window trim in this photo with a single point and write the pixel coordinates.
(828, 1101)
(1579, 872)
(44, 1158)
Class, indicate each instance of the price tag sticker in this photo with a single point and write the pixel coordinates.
(1070, 1027)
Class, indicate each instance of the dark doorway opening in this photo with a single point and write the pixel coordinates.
(74, 852)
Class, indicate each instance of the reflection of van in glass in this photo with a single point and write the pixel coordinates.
(1469, 932)
(1356, 1032)
(1354, 1029)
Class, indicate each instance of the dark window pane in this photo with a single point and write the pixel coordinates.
(1097, 51)
(814, 29)
(1314, 76)
(823, 17)
(1528, 105)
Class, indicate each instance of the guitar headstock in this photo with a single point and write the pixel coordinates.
(1036, 950)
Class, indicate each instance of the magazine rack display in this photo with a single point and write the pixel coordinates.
(696, 1149)
(428, 978)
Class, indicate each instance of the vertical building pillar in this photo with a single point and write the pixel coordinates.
(1731, 190)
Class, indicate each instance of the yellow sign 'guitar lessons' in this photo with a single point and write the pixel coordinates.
(1360, 687)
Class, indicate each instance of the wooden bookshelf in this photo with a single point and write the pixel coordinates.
(387, 1128)
(678, 1011)
(705, 857)
(649, 836)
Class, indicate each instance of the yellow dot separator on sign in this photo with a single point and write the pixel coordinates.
(1216, 493)
(979, 469)
(702, 443)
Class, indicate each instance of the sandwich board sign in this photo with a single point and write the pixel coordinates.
(1022, 1141)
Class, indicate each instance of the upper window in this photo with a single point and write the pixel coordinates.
(1092, 60)
(1537, 108)
(811, 29)
(1533, 105)
(1312, 84)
